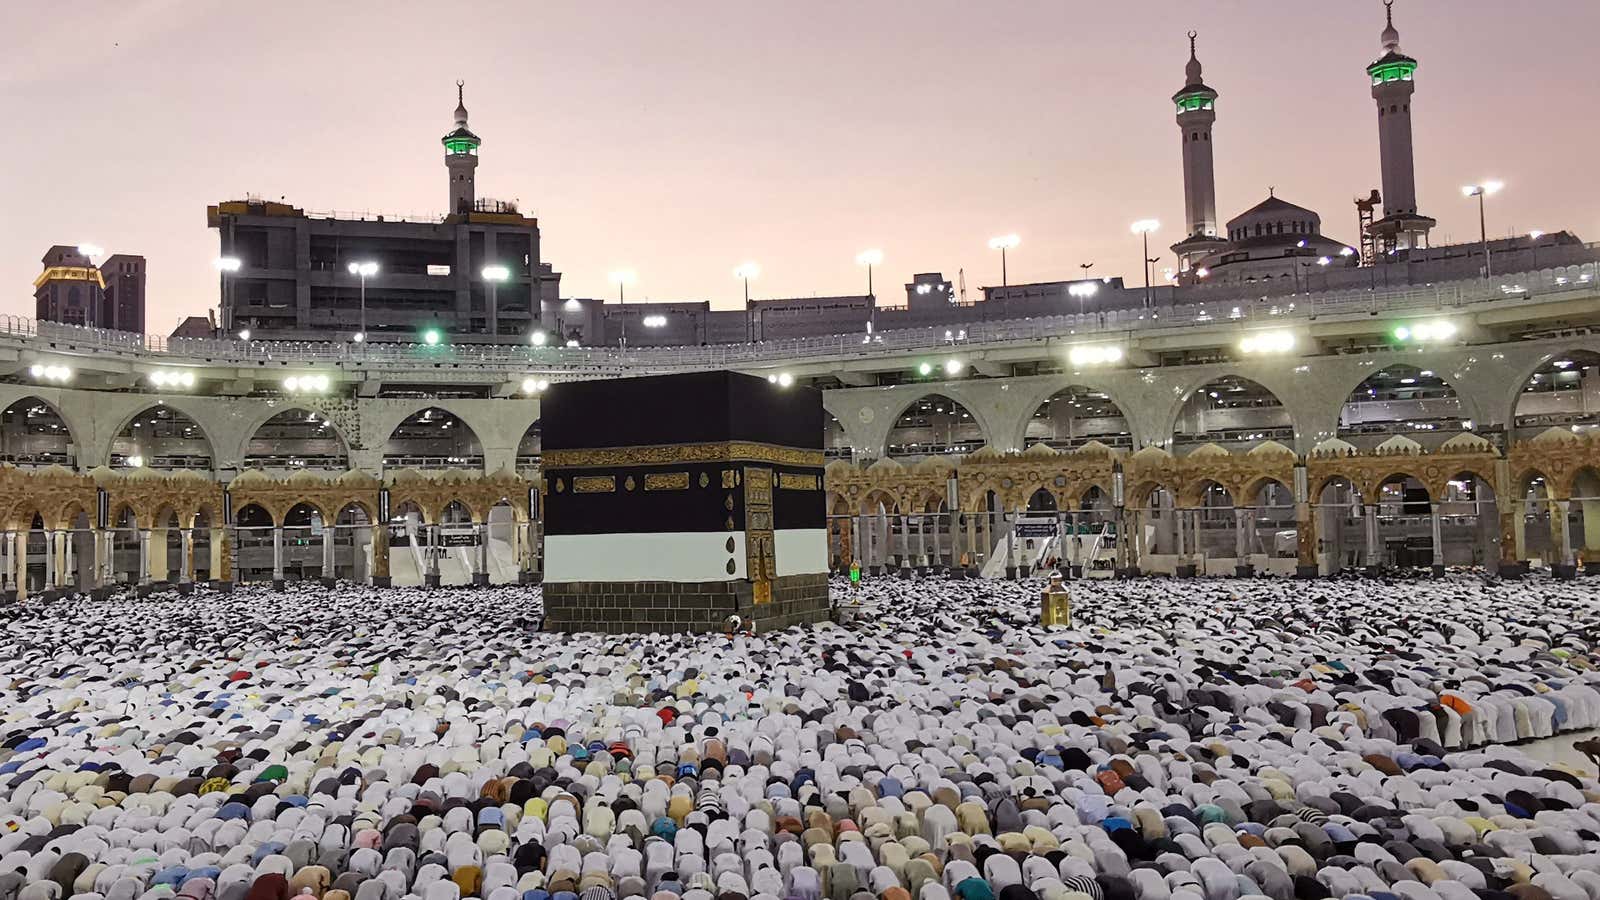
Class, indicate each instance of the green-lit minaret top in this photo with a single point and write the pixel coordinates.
(461, 141)
(1195, 94)
(1393, 65)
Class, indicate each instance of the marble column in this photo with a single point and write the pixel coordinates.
(277, 558)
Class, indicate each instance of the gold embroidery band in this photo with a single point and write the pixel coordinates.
(668, 454)
(666, 481)
(594, 484)
(788, 481)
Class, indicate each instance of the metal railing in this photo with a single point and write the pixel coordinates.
(601, 362)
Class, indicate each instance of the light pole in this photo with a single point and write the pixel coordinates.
(227, 266)
(1086, 267)
(1143, 227)
(1481, 191)
(622, 278)
(1003, 243)
(363, 270)
(493, 275)
(869, 258)
(744, 272)
(1083, 290)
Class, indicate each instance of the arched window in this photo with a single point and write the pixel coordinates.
(934, 424)
(1402, 399)
(1234, 412)
(1076, 415)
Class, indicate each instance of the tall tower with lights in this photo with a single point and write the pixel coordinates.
(1393, 83)
(1196, 114)
(461, 158)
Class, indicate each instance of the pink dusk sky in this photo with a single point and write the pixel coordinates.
(679, 139)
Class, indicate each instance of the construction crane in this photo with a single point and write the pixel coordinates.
(1365, 210)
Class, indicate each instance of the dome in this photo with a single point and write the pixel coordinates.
(886, 465)
(1391, 34)
(1399, 445)
(1209, 451)
(461, 105)
(1334, 447)
(838, 467)
(1275, 209)
(1040, 449)
(1094, 448)
(1555, 434)
(1270, 448)
(1467, 442)
(1152, 454)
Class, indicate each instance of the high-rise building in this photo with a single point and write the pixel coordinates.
(70, 290)
(122, 304)
(474, 271)
(1393, 83)
(1197, 112)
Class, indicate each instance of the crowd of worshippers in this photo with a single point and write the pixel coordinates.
(1196, 740)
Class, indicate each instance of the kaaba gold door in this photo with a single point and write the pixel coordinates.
(761, 561)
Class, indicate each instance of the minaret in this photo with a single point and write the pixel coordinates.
(461, 158)
(1393, 84)
(1196, 114)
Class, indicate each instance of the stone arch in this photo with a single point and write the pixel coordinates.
(204, 508)
(1047, 390)
(359, 505)
(298, 514)
(22, 515)
(17, 423)
(1233, 411)
(1199, 490)
(1093, 497)
(1351, 479)
(330, 451)
(432, 425)
(272, 409)
(1546, 391)
(530, 447)
(150, 417)
(1525, 480)
(1042, 500)
(846, 409)
(929, 501)
(836, 439)
(1251, 493)
(1401, 398)
(121, 509)
(354, 524)
(1093, 406)
(458, 511)
(936, 401)
(253, 514)
(1584, 482)
(1404, 477)
(891, 503)
(1139, 495)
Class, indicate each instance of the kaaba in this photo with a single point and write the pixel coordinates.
(673, 502)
